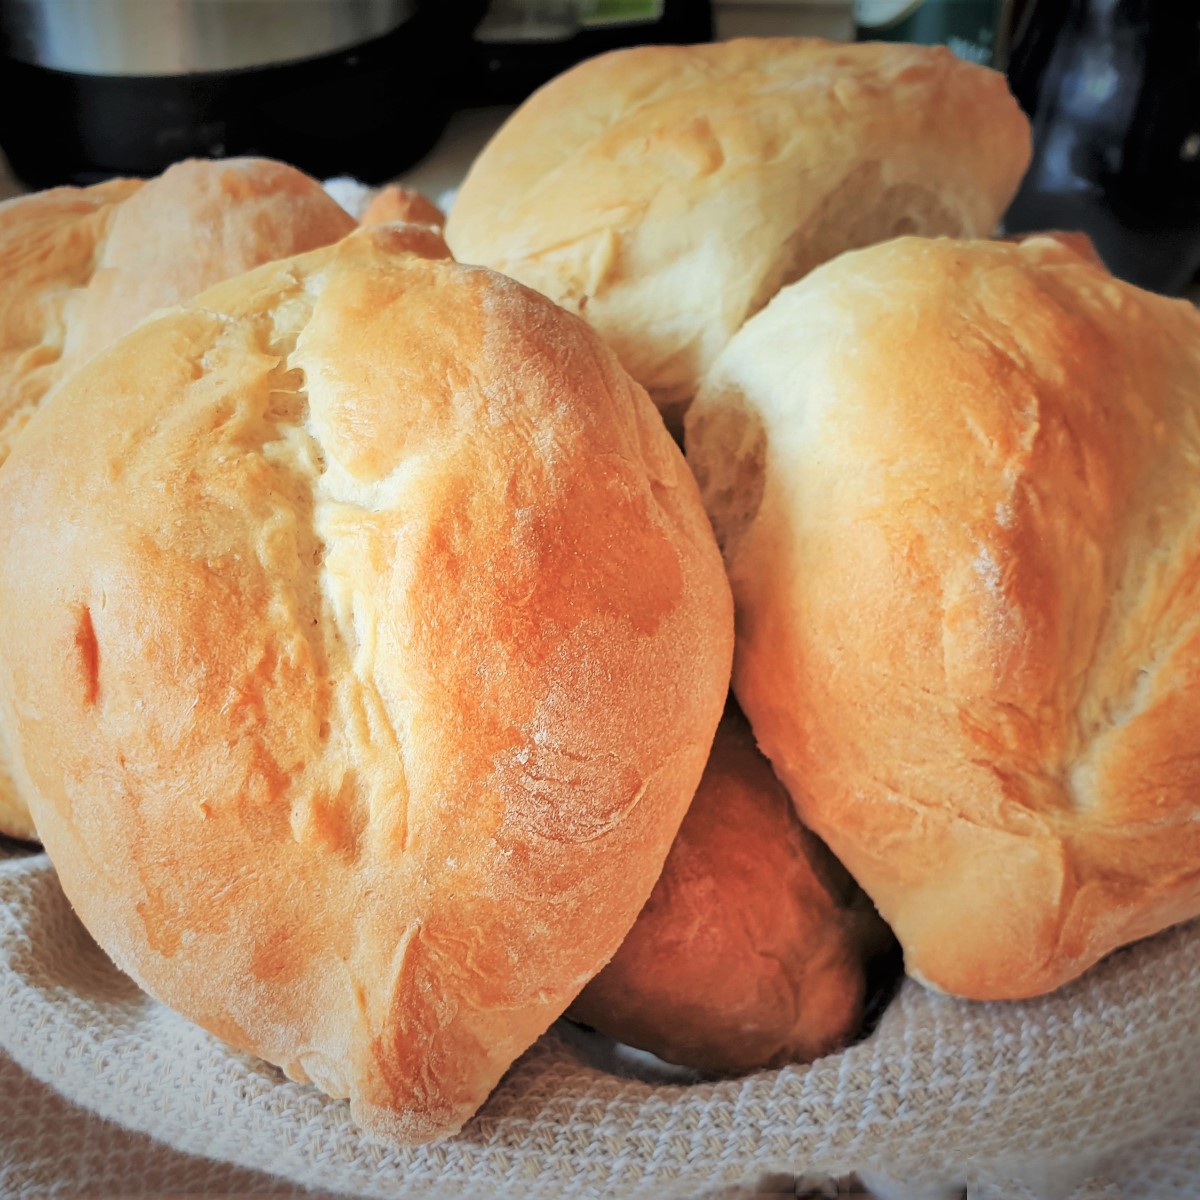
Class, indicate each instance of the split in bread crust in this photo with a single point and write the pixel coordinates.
(82, 266)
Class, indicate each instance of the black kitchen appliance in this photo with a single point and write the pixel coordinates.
(522, 44)
(94, 88)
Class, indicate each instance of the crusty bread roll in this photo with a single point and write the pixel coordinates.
(396, 203)
(83, 265)
(667, 192)
(380, 642)
(1072, 239)
(957, 491)
(752, 949)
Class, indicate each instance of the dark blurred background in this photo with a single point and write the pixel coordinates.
(365, 88)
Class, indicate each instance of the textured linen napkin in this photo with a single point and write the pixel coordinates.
(1039, 1098)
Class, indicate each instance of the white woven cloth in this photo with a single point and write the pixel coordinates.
(1093, 1093)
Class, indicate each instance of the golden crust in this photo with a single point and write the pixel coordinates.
(380, 644)
(1071, 239)
(395, 203)
(666, 193)
(957, 492)
(751, 951)
(82, 266)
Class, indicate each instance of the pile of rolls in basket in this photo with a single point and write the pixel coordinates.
(366, 636)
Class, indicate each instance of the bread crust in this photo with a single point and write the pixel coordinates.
(396, 203)
(82, 266)
(955, 484)
(666, 193)
(752, 949)
(381, 641)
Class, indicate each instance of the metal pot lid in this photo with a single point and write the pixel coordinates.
(176, 37)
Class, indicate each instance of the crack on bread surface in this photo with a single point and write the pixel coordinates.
(88, 264)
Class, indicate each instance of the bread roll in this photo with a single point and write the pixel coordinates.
(83, 265)
(1073, 239)
(666, 193)
(380, 643)
(751, 951)
(957, 490)
(395, 203)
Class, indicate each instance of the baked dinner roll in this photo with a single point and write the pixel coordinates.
(957, 491)
(380, 642)
(751, 951)
(83, 265)
(396, 203)
(667, 192)
(1073, 239)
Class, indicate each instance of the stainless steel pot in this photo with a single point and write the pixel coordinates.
(354, 87)
(176, 37)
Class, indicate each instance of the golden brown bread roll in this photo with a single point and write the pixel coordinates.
(83, 265)
(396, 203)
(957, 492)
(666, 193)
(1072, 239)
(752, 949)
(380, 641)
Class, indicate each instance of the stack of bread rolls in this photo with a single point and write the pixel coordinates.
(364, 632)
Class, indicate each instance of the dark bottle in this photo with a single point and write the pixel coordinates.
(522, 44)
(1113, 90)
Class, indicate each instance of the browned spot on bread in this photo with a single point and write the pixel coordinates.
(89, 656)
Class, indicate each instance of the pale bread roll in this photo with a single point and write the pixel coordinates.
(82, 266)
(753, 948)
(956, 485)
(666, 193)
(380, 643)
